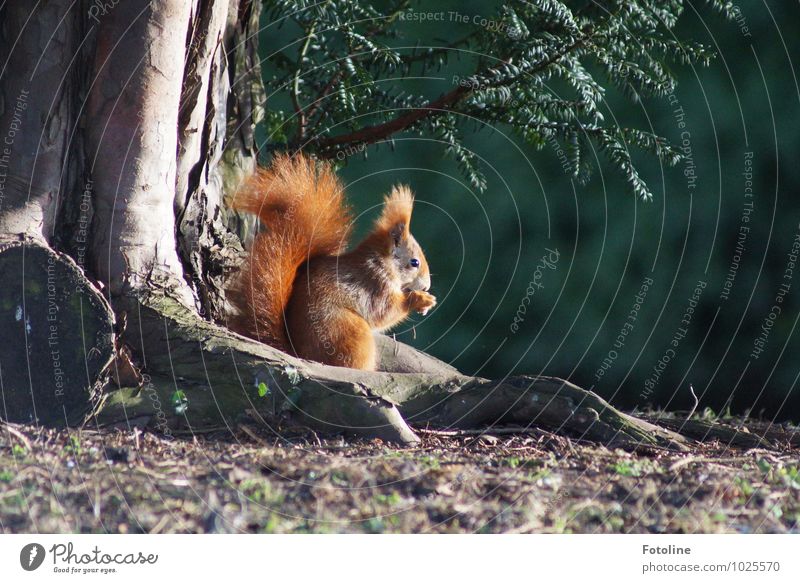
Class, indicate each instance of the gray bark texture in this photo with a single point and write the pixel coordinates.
(36, 115)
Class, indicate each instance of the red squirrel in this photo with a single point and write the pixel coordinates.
(301, 291)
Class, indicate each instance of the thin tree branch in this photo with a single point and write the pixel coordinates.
(327, 147)
(333, 82)
(371, 134)
(301, 116)
(434, 51)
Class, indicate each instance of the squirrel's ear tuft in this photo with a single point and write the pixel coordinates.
(396, 215)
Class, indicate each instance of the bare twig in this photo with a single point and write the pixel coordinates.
(301, 115)
(18, 434)
(312, 109)
(696, 403)
(253, 435)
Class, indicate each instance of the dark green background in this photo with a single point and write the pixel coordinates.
(483, 247)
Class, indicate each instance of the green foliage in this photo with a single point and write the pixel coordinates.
(392, 499)
(263, 390)
(74, 445)
(627, 468)
(790, 475)
(180, 402)
(539, 68)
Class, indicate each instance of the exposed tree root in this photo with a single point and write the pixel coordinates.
(56, 335)
(203, 375)
(200, 376)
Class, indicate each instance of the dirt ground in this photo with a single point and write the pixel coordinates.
(251, 481)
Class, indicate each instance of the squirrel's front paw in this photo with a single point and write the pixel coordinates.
(421, 301)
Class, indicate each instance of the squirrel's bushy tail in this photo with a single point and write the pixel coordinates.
(302, 209)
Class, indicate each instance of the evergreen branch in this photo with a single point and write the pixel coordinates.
(433, 52)
(332, 82)
(328, 146)
(301, 116)
(385, 22)
(372, 134)
(346, 71)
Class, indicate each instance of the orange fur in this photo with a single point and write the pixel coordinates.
(301, 292)
(302, 206)
(397, 209)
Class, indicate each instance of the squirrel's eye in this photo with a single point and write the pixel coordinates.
(414, 262)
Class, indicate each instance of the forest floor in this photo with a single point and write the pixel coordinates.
(114, 481)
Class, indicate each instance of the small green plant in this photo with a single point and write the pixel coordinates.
(745, 488)
(339, 478)
(720, 517)
(18, 451)
(271, 524)
(560, 523)
(430, 461)
(337, 64)
(259, 491)
(708, 414)
(180, 402)
(541, 474)
(6, 476)
(263, 389)
(764, 466)
(627, 468)
(790, 475)
(389, 499)
(73, 446)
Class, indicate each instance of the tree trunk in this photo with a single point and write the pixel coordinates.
(133, 104)
(37, 115)
(113, 120)
(129, 123)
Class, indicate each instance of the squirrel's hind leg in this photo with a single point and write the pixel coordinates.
(353, 341)
(341, 339)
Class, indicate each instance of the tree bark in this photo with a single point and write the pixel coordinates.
(133, 105)
(56, 334)
(36, 115)
(221, 103)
